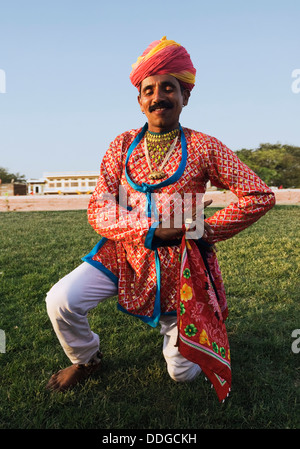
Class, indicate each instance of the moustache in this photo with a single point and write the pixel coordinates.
(161, 105)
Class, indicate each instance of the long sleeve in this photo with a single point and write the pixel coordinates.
(254, 197)
(105, 213)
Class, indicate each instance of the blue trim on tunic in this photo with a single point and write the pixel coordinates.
(89, 259)
(150, 236)
(152, 321)
(148, 189)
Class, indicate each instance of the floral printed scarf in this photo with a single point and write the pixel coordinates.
(202, 336)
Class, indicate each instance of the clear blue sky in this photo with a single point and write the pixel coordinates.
(67, 65)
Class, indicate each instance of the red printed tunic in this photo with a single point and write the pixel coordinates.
(123, 254)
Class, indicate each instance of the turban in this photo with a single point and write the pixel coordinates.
(164, 57)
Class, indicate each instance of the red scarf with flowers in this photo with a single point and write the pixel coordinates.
(202, 336)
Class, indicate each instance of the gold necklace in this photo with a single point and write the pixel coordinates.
(158, 147)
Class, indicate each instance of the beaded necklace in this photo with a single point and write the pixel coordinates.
(158, 149)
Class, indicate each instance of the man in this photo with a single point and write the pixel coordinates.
(138, 257)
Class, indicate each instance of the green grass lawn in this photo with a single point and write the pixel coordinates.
(260, 267)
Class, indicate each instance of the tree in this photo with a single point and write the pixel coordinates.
(7, 177)
(277, 165)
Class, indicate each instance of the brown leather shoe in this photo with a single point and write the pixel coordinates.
(67, 378)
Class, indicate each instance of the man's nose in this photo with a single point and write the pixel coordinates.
(158, 95)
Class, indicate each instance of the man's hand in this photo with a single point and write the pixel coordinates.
(172, 233)
(168, 233)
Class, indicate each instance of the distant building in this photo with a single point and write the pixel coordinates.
(35, 186)
(12, 189)
(68, 183)
(63, 183)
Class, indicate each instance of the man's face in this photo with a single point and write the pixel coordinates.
(161, 99)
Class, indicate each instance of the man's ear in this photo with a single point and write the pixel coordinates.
(185, 96)
(140, 103)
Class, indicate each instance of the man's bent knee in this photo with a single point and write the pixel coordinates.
(58, 300)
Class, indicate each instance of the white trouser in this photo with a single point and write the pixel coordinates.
(68, 303)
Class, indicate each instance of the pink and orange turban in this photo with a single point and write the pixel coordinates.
(164, 57)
